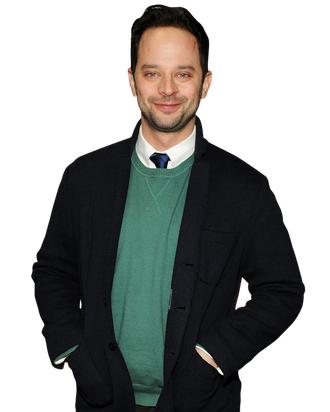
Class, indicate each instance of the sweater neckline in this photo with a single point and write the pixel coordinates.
(167, 173)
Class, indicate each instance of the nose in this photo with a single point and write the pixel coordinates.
(167, 86)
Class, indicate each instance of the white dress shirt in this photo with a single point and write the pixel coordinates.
(177, 154)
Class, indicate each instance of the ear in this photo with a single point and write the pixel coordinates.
(206, 84)
(131, 81)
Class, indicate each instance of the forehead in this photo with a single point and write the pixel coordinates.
(166, 45)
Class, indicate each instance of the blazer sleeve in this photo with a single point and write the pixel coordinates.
(269, 266)
(56, 280)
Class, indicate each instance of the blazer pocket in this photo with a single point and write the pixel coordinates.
(196, 385)
(216, 249)
(90, 385)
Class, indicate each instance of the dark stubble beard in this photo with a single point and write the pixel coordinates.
(178, 124)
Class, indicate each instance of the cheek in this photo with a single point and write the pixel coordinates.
(191, 91)
(146, 90)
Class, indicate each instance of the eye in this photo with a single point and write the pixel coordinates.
(183, 75)
(152, 74)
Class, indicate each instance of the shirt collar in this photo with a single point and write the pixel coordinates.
(178, 153)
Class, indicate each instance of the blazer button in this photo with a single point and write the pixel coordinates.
(112, 346)
(104, 302)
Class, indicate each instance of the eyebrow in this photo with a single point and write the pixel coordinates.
(180, 67)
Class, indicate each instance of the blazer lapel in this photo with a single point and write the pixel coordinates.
(186, 261)
(114, 224)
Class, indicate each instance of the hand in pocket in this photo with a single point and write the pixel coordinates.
(90, 385)
(196, 385)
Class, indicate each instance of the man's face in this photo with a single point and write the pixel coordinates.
(168, 80)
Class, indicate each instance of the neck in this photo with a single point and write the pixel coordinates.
(162, 141)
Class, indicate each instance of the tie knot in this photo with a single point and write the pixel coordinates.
(160, 160)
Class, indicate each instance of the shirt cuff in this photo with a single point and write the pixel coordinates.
(204, 350)
(60, 359)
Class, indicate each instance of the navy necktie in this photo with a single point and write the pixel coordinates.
(160, 160)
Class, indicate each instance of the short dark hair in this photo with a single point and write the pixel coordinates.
(163, 16)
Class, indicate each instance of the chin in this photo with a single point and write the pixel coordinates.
(169, 126)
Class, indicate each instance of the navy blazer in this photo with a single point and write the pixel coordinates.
(231, 228)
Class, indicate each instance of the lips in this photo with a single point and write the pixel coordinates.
(167, 107)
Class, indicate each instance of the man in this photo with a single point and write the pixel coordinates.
(138, 276)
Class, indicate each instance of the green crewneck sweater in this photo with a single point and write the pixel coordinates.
(142, 282)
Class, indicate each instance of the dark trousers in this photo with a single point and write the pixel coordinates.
(140, 408)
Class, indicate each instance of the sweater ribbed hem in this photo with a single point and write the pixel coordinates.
(146, 395)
